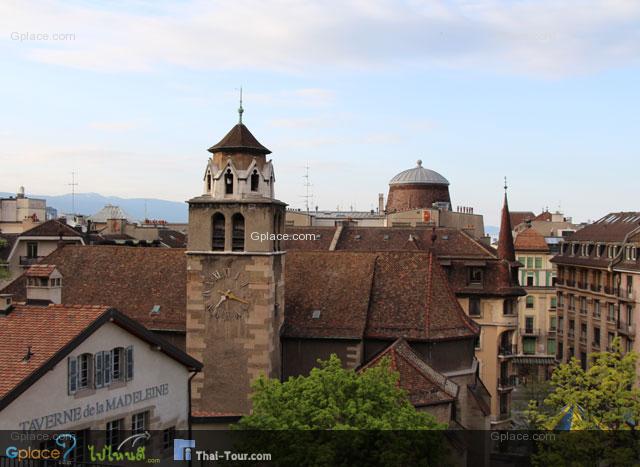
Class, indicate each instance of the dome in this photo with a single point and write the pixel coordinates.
(419, 175)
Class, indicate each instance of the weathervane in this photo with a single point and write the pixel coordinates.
(505, 183)
(240, 109)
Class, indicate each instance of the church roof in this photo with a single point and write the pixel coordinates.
(390, 295)
(239, 139)
(419, 175)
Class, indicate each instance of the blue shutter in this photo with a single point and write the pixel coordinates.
(108, 358)
(72, 375)
(99, 366)
(129, 361)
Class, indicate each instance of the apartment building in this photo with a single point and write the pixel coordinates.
(598, 283)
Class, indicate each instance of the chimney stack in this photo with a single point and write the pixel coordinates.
(380, 203)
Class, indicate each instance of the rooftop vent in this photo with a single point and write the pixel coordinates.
(386, 237)
(315, 314)
(155, 310)
(28, 355)
(357, 237)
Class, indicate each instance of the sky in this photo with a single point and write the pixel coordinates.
(129, 95)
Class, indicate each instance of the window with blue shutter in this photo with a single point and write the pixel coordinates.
(72, 375)
(129, 360)
(99, 369)
(107, 367)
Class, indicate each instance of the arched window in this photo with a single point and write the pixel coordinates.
(217, 243)
(228, 182)
(255, 179)
(208, 183)
(237, 234)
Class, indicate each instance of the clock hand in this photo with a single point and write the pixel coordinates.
(231, 296)
(222, 299)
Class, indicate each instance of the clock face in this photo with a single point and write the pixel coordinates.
(226, 294)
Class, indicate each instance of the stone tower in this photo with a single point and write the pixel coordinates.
(235, 278)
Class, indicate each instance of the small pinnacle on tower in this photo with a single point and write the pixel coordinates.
(505, 183)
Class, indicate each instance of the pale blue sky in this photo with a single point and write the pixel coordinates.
(543, 92)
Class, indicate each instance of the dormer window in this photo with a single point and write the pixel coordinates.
(255, 180)
(475, 275)
(228, 182)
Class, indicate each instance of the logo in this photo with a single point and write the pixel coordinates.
(182, 449)
(107, 453)
(13, 452)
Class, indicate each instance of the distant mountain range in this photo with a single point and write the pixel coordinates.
(90, 203)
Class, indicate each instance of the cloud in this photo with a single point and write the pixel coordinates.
(543, 37)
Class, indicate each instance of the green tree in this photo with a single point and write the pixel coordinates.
(336, 416)
(611, 403)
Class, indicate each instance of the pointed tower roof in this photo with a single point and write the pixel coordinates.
(506, 250)
(239, 139)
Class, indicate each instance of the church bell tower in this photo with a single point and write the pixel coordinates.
(235, 275)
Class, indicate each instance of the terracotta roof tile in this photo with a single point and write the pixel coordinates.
(45, 329)
(518, 217)
(52, 228)
(132, 280)
(424, 385)
(389, 295)
(530, 240)
(40, 270)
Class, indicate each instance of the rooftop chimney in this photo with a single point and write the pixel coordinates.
(380, 203)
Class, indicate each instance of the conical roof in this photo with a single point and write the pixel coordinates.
(506, 250)
(239, 139)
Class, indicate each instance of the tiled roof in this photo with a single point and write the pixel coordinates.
(389, 295)
(45, 329)
(518, 217)
(110, 212)
(132, 280)
(172, 238)
(239, 139)
(449, 242)
(424, 385)
(545, 216)
(50, 333)
(613, 227)
(40, 270)
(52, 228)
(530, 240)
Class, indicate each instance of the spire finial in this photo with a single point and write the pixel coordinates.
(240, 109)
(505, 184)
(419, 162)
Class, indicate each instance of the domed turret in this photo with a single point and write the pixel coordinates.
(417, 188)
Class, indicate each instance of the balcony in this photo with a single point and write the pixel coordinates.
(628, 330)
(608, 290)
(625, 294)
(560, 331)
(583, 339)
(582, 285)
(596, 287)
(571, 333)
(595, 345)
(530, 332)
(596, 314)
(507, 350)
(559, 281)
(506, 383)
(571, 283)
(583, 311)
(30, 260)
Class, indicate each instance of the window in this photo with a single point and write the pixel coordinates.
(611, 312)
(114, 427)
(529, 279)
(529, 345)
(507, 307)
(551, 346)
(475, 275)
(552, 323)
(118, 364)
(529, 301)
(476, 342)
(554, 302)
(529, 262)
(474, 306)
(237, 236)
(84, 370)
(596, 336)
(218, 222)
(208, 182)
(72, 375)
(528, 324)
(538, 262)
(32, 249)
(560, 300)
(255, 179)
(168, 435)
(129, 363)
(139, 422)
(228, 182)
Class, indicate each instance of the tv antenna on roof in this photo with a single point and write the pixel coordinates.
(73, 186)
(308, 196)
